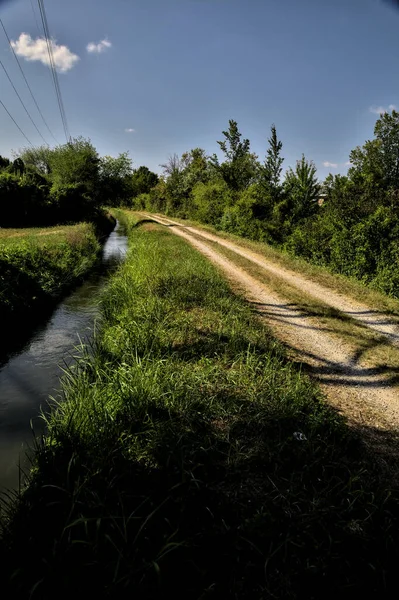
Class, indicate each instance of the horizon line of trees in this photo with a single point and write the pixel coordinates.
(67, 183)
(353, 232)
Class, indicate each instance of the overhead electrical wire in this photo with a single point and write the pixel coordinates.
(53, 69)
(26, 81)
(39, 32)
(12, 118)
(35, 17)
(22, 102)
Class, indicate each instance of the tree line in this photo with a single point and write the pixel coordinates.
(349, 223)
(68, 183)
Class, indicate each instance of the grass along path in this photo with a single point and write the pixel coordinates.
(367, 346)
(189, 458)
(331, 283)
(364, 389)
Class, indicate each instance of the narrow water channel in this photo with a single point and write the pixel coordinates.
(30, 376)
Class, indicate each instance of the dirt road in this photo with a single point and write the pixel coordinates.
(368, 395)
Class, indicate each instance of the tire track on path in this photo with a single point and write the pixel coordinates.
(368, 396)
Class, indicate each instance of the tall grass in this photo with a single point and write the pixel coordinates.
(188, 458)
(36, 265)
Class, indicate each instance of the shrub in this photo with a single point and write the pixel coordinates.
(210, 201)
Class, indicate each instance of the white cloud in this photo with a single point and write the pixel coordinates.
(36, 49)
(381, 110)
(98, 48)
(327, 163)
(348, 163)
(130, 130)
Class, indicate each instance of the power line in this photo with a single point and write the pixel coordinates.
(53, 69)
(26, 81)
(39, 33)
(34, 14)
(21, 101)
(12, 118)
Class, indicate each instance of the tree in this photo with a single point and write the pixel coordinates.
(76, 163)
(240, 166)
(4, 162)
(143, 180)
(18, 167)
(173, 166)
(210, 200)
(37, 159)
(376, 164)
(302, 189)
(196, 167)
(386, 132)
(273, 167)
(116, 168)
(115, 178)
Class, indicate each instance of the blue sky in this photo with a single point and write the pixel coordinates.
(175, 71)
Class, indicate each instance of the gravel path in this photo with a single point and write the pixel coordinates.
(379, 323)
(367, 396)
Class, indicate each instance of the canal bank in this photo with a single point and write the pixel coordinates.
(32, 373)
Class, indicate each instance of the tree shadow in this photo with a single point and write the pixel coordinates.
(351, 373)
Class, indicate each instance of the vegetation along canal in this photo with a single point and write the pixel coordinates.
(30, 376)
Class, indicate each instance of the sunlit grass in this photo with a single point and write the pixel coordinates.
(45, 235)
(318, 274)
(37, 264)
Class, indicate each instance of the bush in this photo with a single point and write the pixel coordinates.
(23, 200)
(71, 202)
(142, 202)
(246, 217)
(210, 201)
(313, 239)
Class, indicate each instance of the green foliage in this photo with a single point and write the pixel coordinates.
(357, 229)
(76, 163)
(68, 183)
(23, 200)
(302, 189)
(181, 175)
(18, 167)
(37, 159)
(143, 180)
(143, 202)
(233, 147)
(70, 180)
(343, 233)
(171, 467)
(37, 265)
(246, 216)
(4, 162)
(378, 161)
(272, 169)
(210, 201)
(115, 179)
(240, 166)
(159, 197)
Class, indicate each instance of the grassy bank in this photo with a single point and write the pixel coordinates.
(189, 459)
(37, 265)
